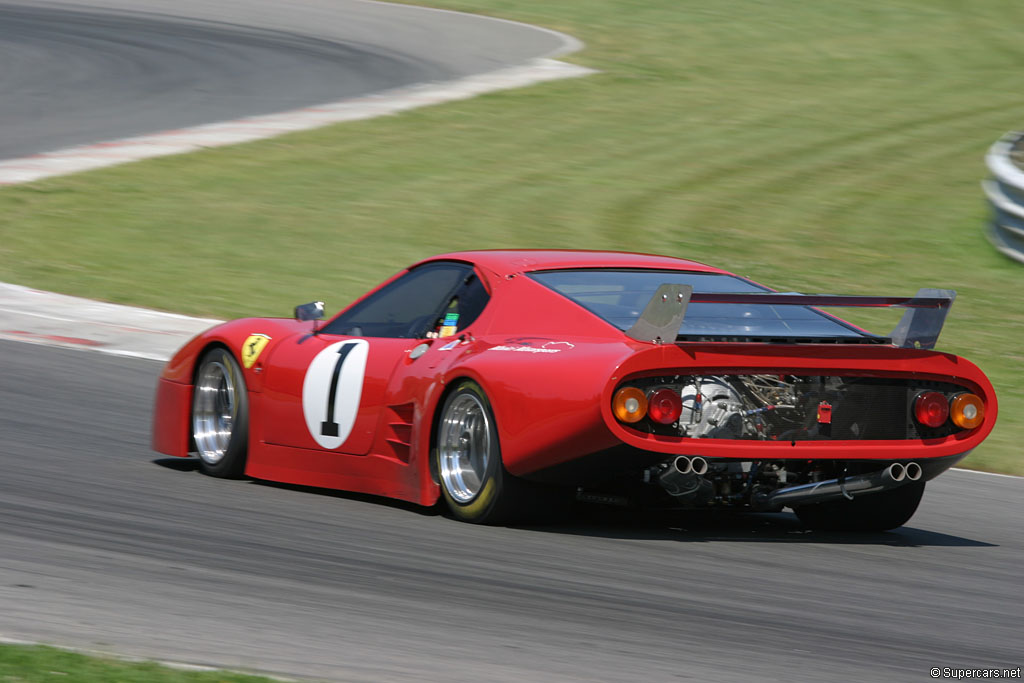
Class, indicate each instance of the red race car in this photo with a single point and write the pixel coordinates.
(505, 382)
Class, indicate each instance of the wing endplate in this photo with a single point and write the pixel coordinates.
(663, 315)
(919, 328)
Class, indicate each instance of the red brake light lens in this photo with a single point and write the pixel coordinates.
(665, 406)
(931, 409)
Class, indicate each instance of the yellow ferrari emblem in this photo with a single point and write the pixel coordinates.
(252, 348)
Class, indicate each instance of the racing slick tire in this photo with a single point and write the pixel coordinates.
(874, 512)
(220, 415)
(467, 460)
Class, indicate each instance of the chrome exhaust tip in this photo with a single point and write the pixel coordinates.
(682, 465)
(913, 471)
(681, 476)
(699, 466)
(896, 471)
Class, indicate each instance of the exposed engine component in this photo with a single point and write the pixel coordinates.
(732, 407)
(711, 409)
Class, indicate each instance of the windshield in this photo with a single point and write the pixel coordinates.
(619, 297)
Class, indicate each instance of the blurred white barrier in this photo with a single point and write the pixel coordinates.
(1005, 191)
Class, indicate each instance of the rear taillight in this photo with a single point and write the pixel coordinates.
(931, 409)
(665, 406)
(629, 404)
(967, 411)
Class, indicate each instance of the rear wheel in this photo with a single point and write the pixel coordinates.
(220, 415)
(467, 458)
(873, 512)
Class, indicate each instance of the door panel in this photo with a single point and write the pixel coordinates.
(326, 391)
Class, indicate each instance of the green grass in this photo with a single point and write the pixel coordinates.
(40, 664)
(831, 146)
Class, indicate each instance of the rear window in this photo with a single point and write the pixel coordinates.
(619, 297)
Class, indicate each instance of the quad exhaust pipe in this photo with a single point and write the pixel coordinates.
(893, 476)
(909, 472)
(683, 476)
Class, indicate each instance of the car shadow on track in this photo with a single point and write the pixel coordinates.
(708, 527)
(178, 464)
(192, 465)
(680, 526)
(350, 495)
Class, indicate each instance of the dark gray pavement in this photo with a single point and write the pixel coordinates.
(82, 72)
(105, 545)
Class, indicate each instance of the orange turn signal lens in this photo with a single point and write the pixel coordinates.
(629, 404)
(967, 411)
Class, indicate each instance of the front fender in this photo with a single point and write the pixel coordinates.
(238, 337)
(172, 404)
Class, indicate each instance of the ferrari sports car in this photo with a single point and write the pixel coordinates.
(506, 383)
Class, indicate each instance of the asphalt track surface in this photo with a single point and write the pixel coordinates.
(79, 72)
(105, 545)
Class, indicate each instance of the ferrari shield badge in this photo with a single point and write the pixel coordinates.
(252, 348)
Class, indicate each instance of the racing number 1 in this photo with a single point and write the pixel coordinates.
(329, 427)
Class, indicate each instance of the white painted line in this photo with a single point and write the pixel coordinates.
(110, 153)
(990, 474)
(15, 641)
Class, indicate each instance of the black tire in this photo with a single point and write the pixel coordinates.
(220, 415)
(873, 512)
(467, 459)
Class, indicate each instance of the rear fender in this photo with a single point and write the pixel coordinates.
(545, 394)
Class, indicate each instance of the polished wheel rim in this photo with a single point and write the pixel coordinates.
(465, 447)
(213, 413)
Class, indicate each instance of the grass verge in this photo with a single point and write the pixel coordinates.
(833, 146)
(42, 664)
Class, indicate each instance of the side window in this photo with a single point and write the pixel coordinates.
(405, 308)
(471, 299)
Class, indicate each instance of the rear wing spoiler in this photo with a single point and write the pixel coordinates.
(919, 327)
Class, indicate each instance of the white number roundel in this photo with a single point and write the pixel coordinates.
(331, 391)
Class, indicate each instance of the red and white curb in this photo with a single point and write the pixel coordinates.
(39, 317)
(110, 153)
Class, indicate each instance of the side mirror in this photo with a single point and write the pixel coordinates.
(311, 311)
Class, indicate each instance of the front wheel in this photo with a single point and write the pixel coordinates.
(874, 512)
(467, 459)
(220, 415)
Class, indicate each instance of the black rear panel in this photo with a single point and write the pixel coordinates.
(794, 408)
